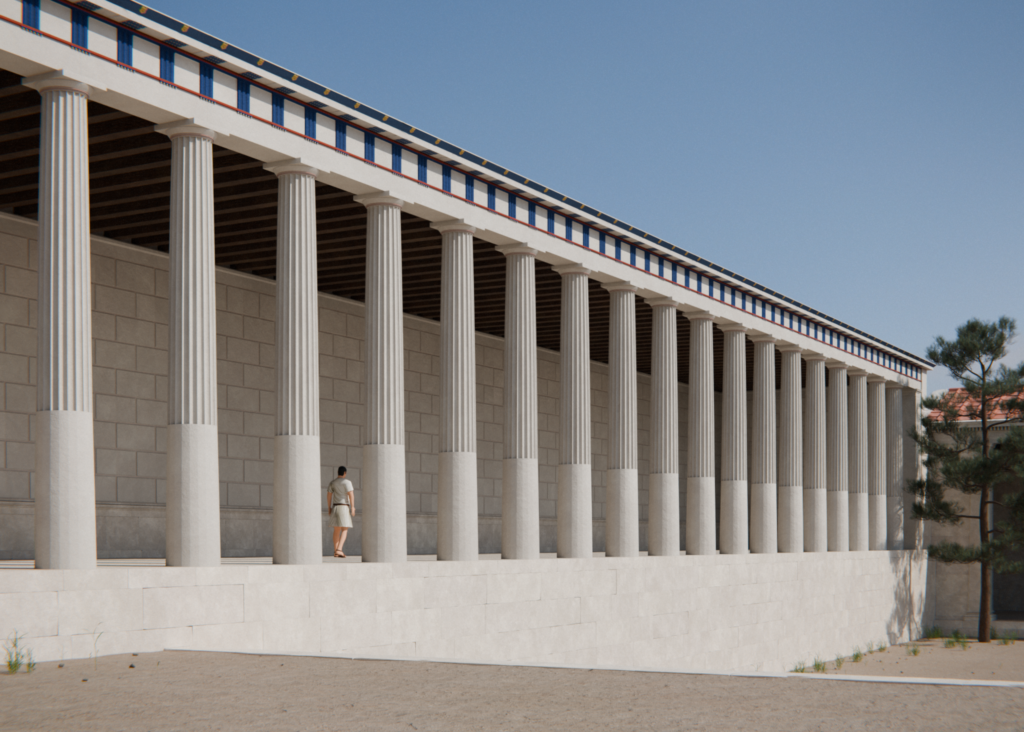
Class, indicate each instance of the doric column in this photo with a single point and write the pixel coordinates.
(838, 461)
(65, 483)
(858, 414)
(297, 475)
(700, 471)
(791, 458)
(622, 496)
(520, 485)
(894, 437)
(764, 518)
(734, 521)
(877, 474)
(575, 502)
(815, 457)
(193, 463)
(663, 484)
(384, 522)
(913, 529)
(456, 489)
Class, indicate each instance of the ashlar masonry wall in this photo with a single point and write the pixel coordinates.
(130, 407)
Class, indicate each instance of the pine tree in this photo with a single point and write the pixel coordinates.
(975, 442)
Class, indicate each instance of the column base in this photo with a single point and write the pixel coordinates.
(65, 491)
(815, 520)
(791, 519)
(298, 497)
(894, 521)
(700, 515)
(877, 534)
(622, 513)
(575, 512)
(734, 532)
(859, 522)
(193, 496)
(663, 515)
(520, 509)
(838, 521)
(764, 518)
(384, 522)
(457, 515)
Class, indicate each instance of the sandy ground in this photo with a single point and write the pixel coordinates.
(979, 661)
(219, 691)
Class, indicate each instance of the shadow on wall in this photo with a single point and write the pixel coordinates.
(909, 577)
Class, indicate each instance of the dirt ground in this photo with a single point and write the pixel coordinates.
(220, 691)
(978, 661)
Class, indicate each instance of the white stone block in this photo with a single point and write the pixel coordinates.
(103, 610)
(170, 607)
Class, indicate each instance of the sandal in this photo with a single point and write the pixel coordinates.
(340, 555)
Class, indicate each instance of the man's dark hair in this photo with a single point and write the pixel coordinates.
(342, 470)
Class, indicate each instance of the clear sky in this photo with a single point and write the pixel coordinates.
(865, 158)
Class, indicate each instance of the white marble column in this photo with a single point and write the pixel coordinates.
(520, 485)
(877, 474)
(65, 483)
(815, 457)
(193, 463)
(913, 467)
(858, 455)
(700, 470)
(838, 461)
(791, 458)
(457, 533)
(384, 520)
(764, 518)
(622, 497)
(663, 484)
(575, 502)
(894, 437)
(297, 474)
(735, 520)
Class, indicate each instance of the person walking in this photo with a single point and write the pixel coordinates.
(341, 507)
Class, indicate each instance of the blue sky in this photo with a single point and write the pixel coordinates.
(865, 158)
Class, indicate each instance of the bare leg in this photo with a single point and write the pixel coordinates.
(338, 532)
(341, 544)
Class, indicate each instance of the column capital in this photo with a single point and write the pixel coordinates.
(57, 80)
(813, 356)
(787, 347)
(661, 302)
(761, 338)
(698, 315)
(453, 225)
(185, 128)
(854, 371)
(571, 269)
(729, 326)
(893, 385)
(619, 286)
(379, 198)
(834, 365)
(876, 379)
(294, 166)
(510, 249)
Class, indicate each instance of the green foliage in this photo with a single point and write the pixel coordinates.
(882, 647)
(857, 656)
(800, 668)
(913, 649)
(933, 632)
(871, 648)
(949, 643)
(18, 657)
(839, 661)
(1008, 638)
(819, 666)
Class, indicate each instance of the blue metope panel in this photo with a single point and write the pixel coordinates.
(277, 109)
(340, 134)
(167, 64)
(206, 80)
(490, 197)
(80, 28)
(124, 46)
(369, 148)
(30, 13)
(310, 122)
(446, 179)
(533, 213)
(243, 95)
(421, 169)
(396, 157)
(469, 188)
(551, 222)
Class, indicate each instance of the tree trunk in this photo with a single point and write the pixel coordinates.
(985, 611)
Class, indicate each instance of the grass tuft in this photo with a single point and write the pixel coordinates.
(17, 656)
(800, 668)
(913, 649)
(1008, 638)
(819, 666)
(839, 661)
(933, 632)
(871, 647)
(857, 656)
(882, 647)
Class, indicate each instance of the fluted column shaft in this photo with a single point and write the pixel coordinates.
(65, 484)
(193, 483)
(520, 487)
(734, 522)
(877, 473)
(764, 520)
(622, 497)
(858, 414)
(815, 458)
(838, 462)
(700, 472)
(894, 441)
(384, 519)
(663, 485)
(457, 533)
(791, 467)
(297, 478)
(575, 502)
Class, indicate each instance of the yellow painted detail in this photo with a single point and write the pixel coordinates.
(506, 172)
(184, 29)
(385, 118)
(260, 62)
(326, 92)
(295, 77)
(357, 105)
(437, 141)
(545, 190)
(224, 46)
(143, 9)
(411, 130)
(461, 151)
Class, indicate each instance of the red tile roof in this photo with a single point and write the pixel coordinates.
(968, 407)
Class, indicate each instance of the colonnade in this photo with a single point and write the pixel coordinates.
(822, 470)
